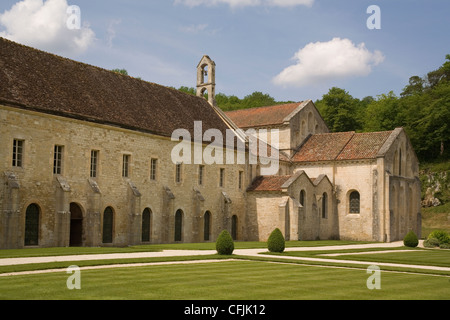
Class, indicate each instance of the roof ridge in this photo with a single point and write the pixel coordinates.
(346, 144)
(262, 107)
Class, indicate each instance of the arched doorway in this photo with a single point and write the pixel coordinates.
(108, 224)
(32, 225)
(207, 226)
(234, 227)
(179, 225)
(76, 225)
(146, 225)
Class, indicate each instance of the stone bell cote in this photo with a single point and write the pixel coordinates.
(206, 79)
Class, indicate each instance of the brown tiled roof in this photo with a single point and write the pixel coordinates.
(341, 146)
(364, 145)
(263, 116)
(44, 82)
(268, 183)
(322, 147)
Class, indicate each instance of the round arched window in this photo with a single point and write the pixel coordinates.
(354, 202)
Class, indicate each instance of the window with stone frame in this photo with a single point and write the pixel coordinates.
(354, 201)
(58, 159)
(17, 159)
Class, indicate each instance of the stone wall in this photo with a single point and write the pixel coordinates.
(35, 183)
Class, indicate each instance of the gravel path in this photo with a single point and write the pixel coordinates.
(180, 253)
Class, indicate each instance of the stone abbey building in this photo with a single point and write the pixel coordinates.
(85, 160)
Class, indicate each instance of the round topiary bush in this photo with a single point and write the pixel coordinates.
(224, 243)
(276, 242)
(411, 240)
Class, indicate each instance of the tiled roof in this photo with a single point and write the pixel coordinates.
(341, 146)
(44, 82)
(263, 116)
(364, 145)
(268, 183)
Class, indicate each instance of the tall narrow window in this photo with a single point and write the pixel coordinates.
(57, 159)
(178, 173)
(222, 177)
(94, 164)
(126, 166)
(17, 153)
(234, 227)
(324, 205)
(32, 225)
(108, 222)
(400, 162)
(241, 174)
(201, 171)
(153, 167)
(354, 202)
(302, 198)
(207, 226)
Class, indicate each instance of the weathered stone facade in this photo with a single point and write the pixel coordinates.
(86, 160)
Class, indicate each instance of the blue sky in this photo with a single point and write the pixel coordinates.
(290, 49)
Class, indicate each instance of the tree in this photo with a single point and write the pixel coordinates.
(416, 86)
(339, 110)
(120, 71)
(188, 90)
(258, 99)
(440, 75)
(383, 113)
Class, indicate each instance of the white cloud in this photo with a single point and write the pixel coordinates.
(321, 61)
(44, 25)
(194, 29)
(111, 31)
(246, 3)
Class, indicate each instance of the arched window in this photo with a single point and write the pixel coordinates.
(234, 227)
(303, 129)
(178, 225)
(302, 198)
(354, 201)
(324, 205)
(207, 226)
(146, 225)
(76, 225)
(310, 122)
(108, 222)
(32, 225)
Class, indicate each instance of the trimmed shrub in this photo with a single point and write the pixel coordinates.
(276, 242)
(224, 243)
(441, 235)
(411, 240)
(431, 243)
(444, 245)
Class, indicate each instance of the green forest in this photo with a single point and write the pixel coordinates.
(422, 109)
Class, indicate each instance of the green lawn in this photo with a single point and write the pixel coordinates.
(432, 257)
(39, 252)
(231, 280)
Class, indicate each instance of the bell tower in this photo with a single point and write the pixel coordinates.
(206, 79)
